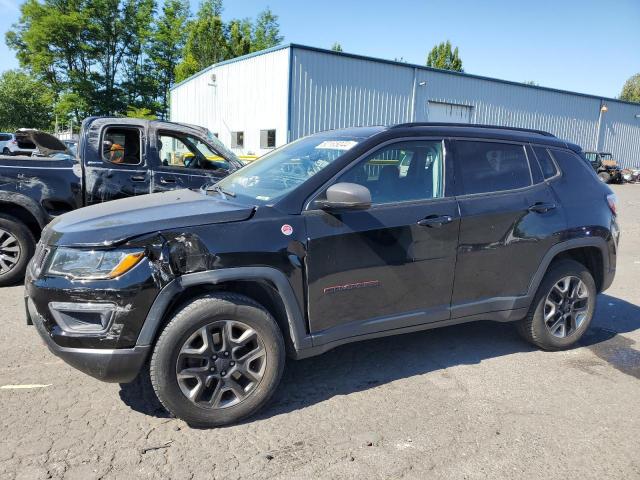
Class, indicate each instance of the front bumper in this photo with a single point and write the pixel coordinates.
(120, 365)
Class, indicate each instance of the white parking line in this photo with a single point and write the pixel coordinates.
(22, 387)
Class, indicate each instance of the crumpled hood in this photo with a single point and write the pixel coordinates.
(113, 222)
(46, 143)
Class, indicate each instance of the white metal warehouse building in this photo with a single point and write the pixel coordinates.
(264, 100)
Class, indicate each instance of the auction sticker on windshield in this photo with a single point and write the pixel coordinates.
(337, 145)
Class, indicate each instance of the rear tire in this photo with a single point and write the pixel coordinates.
(6, 151)
(604, 177)
(557, 320)
(218, 360)
(17, 246)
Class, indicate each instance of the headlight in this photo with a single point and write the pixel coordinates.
(92, 264)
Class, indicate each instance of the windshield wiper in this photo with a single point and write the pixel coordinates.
(223, 193)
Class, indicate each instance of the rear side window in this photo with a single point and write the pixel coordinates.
(122, 145)
(483, 167)
(4, 137)
(549, 168)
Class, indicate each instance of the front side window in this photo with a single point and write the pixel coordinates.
(122, 146)
(277, 173)
(401, 172)
(483, 167)
(188, 152)
(546, 163)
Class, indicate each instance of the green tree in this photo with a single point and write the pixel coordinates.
(165, 51)
(336, 47)
(631, 89)
(239, 38)
(266, 31)
(444, 57)
(141, 112)
(24, 102)
(94, 49)
(140, 85)
(206, 41)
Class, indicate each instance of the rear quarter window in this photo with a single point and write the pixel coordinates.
(573, 165)
(484, 167)
(547, 165)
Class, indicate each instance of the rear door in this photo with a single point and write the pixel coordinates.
(390, 266)
(185, 161)
(509, 220)
(118, 167)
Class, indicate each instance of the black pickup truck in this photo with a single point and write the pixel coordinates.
(116, 158)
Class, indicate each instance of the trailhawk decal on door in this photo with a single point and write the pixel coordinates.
(351, 286)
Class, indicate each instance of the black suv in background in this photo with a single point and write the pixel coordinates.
(337, 237)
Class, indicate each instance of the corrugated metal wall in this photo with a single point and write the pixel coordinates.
(247, 96)
(330, 90)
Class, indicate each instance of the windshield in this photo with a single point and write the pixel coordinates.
(277, 173)
(220, 148)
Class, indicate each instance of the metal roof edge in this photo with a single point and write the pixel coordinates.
(402, 64)
(233, 60)
(461, 74)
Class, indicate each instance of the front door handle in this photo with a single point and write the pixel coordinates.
(167, 180)
(435, 221)
(138, 178)
(542, 207)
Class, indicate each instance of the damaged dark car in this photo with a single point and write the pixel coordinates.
(338, 237)
(115, 158)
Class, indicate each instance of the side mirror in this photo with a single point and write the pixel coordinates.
(349, 196)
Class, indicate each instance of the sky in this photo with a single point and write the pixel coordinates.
(587, 46)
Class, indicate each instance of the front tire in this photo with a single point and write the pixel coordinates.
(218, 360)
(563, 307)
(17, 246)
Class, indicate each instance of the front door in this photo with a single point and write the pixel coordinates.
(390, 266)
(119, 169)
(185, 162)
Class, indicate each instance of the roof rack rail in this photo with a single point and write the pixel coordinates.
(472, 125)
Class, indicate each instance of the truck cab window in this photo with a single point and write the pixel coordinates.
(185, 151)
(122, 146)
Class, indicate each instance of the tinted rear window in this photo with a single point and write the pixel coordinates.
(490, 167)
(546, 163)
(24, 143)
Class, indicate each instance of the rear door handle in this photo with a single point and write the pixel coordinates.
(542, 207)
(166, 180)
(435, 221)
(138, 178)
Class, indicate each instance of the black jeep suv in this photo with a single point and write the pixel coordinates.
(337, 237)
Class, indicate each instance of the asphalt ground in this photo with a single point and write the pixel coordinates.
(471, 401)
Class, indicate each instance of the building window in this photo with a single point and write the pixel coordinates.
(267, 139)
(237, 139)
